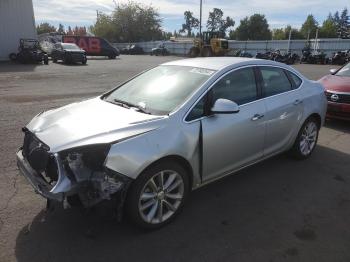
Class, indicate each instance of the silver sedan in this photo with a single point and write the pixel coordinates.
(150, 141)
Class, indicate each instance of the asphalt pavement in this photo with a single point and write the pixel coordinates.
(277, 210)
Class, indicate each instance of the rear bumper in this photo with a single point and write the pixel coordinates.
(38, 183)
(338, 111)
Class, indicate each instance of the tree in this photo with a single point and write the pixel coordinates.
(278, 34)
(130, 22)
(79, 30)
(309, 27)
(253, 28)
(60, 29)
(45, 28)
(190, 23)
(344, 25)
(328, 28)
(216, 22)
(283, 33)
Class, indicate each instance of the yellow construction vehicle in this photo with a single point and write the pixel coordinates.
(210, 44)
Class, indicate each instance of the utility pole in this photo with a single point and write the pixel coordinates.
(289, 38)
(200, 19)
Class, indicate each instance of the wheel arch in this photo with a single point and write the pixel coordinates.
(317, 117)
(177, 159)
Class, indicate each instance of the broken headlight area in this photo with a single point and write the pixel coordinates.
(91, 181)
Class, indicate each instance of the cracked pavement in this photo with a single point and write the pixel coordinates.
(278, 210)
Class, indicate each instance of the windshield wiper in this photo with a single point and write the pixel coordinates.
(130, 105)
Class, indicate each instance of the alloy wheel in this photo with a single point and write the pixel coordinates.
(161, 196)
(308, 138)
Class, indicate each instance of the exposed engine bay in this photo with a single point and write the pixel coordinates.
(77, 175)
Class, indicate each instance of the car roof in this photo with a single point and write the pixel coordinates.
(219, 63)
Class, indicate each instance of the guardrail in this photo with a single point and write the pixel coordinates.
(327, 46)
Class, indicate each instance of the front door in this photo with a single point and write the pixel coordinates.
(231, 141)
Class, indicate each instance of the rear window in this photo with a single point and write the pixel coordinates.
(275, 81)
(296, 79)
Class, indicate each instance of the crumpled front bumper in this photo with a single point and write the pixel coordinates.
(40, 185)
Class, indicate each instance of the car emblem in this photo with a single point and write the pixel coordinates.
(334, 97)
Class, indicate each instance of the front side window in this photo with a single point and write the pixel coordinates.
(275, 81)
(238, 86)
(162, 89)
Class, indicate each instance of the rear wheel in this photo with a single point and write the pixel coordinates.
(194, 52)
(206, 52)
(306, 140)
(46, 59)
(157, 195)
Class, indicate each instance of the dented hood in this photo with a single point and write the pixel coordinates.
(89, 122)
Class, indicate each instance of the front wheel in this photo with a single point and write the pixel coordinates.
(306, 140)
(157, 195)
(13, 57)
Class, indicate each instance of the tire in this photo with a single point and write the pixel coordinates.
(158, 207)
(13, 57)
(46, 60)
(66, 60)
(84, 61)
(306, 141)
(206, 52)
(110, 57)
(54, 60)
(194, 52)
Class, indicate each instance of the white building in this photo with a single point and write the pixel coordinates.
(16, 21)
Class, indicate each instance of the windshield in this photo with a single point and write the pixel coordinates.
(162, 89)
(345, 71)
(70, 46)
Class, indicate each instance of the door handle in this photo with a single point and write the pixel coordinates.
(297, 102)
(257, 117)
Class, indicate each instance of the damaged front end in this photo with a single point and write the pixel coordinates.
(77, 175)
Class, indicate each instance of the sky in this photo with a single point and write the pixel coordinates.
(279, 13)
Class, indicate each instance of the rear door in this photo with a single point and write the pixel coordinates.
(283, 108)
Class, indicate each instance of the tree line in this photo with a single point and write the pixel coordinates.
(134, 22)
(43, 28)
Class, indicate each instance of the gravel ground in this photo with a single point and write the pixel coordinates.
(278, 210)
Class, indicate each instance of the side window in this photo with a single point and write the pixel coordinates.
(197, 111)
(238, 86)
(296, 79)
(275, 81)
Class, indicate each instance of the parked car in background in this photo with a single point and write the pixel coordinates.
(132, 50)
(159, 50)
(29, 51)
(68, 53)
(93, 46)
(171, 129)
(337, 89)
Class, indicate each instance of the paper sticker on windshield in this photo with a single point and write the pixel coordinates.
(202, 71)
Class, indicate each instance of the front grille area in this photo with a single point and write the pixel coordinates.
(35, 152)
(342, 98)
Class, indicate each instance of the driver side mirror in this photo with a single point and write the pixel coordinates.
(333, 71)
(224, 106)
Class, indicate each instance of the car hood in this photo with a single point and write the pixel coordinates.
(93, 121)
(336, 83)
